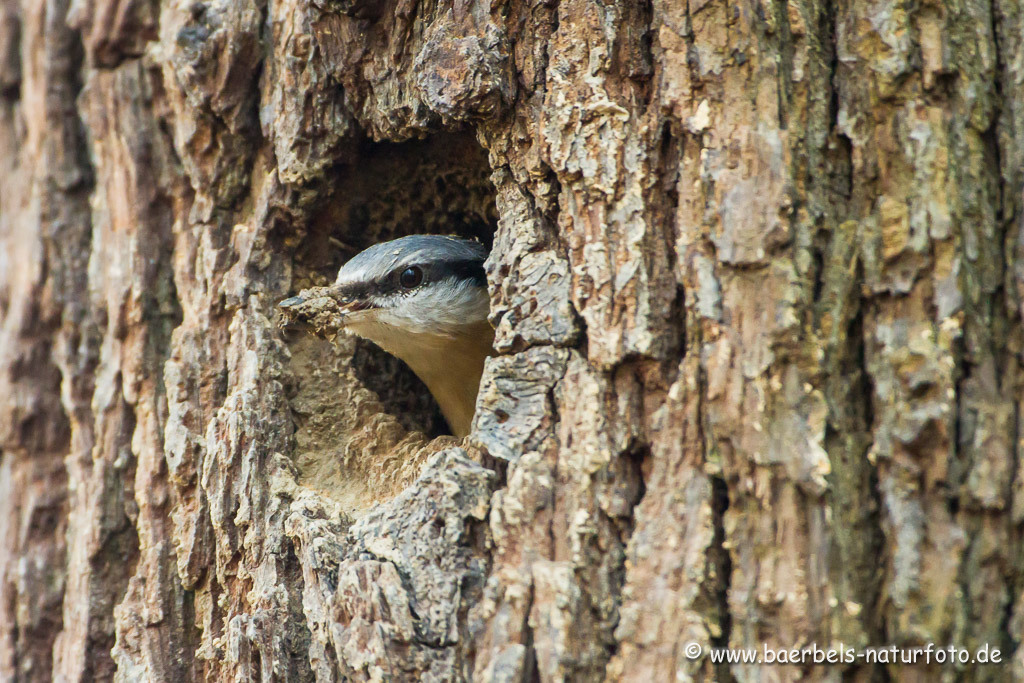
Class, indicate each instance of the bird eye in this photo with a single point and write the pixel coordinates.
(410, 277)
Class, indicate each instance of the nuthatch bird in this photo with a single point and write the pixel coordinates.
(422, 298)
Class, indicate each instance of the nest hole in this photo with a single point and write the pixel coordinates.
(438, 185)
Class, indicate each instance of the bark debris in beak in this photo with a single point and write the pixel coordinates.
(317, 308)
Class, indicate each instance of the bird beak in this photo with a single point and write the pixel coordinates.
(352, 306)
(347, 304)
(323, 308)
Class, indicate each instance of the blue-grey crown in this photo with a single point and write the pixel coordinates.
(439, 256)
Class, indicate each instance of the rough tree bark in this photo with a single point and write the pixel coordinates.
(758, 283)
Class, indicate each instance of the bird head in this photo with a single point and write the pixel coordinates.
(413, 288)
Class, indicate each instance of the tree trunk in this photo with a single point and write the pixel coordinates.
(757, 278)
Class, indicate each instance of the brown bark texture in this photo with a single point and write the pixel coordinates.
(757, 279)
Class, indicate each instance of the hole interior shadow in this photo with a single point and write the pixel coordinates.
(400, 391)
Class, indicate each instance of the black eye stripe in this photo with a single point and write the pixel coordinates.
(354, 291)
(461, 270)
(469, 269)
(435, 272)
